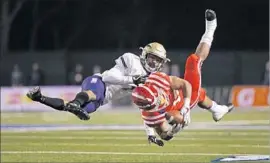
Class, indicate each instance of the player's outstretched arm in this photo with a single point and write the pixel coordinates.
(185, 86)
(204, 46)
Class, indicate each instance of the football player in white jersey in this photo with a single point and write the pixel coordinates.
(129, 71)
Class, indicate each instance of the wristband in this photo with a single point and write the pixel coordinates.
(187, 102)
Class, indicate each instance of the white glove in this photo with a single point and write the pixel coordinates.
(185, 111)
(176, 128)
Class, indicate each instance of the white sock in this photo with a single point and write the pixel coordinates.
(149, 130)
(210, 27)
(217, 108)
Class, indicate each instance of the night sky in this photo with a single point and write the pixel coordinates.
(111, 24)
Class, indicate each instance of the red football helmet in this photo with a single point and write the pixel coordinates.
(145, 96)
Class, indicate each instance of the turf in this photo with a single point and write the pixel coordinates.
(128, 146)
(119, 117)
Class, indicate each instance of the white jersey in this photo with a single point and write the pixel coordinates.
(118, 80)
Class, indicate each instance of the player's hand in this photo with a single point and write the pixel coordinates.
(153, 139)
(186, 115)
(210, 15)
(139, 79)
(176, 128)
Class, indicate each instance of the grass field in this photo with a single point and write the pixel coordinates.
(119, 117)
(201, 145)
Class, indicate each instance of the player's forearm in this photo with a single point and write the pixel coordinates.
(178, 83)
(187, 92)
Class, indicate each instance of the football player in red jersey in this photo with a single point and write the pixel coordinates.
(193, 76)
(161, 99)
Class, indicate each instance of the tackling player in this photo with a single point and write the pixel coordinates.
(160, 81)
(129, 71)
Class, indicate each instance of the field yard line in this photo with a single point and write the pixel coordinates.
(120, 138)
(117, 153)
(218, 133)
(140, 145)
(231, 133)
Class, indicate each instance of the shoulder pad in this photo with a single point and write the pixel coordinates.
(160, 76)
(126, 60)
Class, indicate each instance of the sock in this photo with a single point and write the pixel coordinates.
(55, 103)
(210, 27)
(149, 130)
(81, 98)
(217, 108)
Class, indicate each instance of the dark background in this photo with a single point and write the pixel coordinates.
(60, 33)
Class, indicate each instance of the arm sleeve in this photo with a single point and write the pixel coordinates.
(116, 75)
(120, 73)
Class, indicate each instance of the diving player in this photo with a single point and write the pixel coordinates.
(157, 96)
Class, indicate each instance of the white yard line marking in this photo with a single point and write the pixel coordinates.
(117, 153)
(3, 137)
(141, 133)
(138, 145)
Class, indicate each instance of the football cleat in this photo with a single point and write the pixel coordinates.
(217, 116)
(210, 15)
(34, 94)
(77, 110)
(153, 139)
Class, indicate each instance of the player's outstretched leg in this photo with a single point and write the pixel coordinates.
(36, 95)
(89, 99)
(218, 111)
(204, 47)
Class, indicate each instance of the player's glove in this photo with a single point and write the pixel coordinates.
(210, 15)
(176, 128)
(185, 111)
(153, 139)
(139, 79)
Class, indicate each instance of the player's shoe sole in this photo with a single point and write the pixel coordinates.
(230, 108)
(77, 110)
(34, 94)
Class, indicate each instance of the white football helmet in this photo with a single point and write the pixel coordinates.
(153, 57)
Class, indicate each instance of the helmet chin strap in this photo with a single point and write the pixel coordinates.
(143, 63)
(149, 68)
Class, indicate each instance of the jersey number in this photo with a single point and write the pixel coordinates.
(94, 80)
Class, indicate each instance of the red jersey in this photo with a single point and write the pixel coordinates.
(168, 99)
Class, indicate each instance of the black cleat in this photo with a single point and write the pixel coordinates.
(230, 106)
(210, 15)
(34, 94)
(77, 110)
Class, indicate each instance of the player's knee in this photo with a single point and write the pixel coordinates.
(203, 105)
(90, 107)
(193, 58)
(90, 94)
(192, 62)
